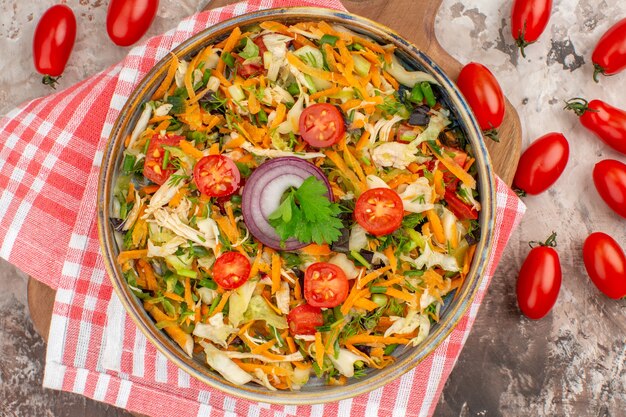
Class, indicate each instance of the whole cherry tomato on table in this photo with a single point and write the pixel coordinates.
(231, 270)
(53, 42)
(129, 20)
(529, 19)
(606, 264)
(609, 177)
(484, 95)
(542, 164)
(321, 125)
(304, 319)
(609, 56)
(325, 285)
(539, 280)
(607, 122)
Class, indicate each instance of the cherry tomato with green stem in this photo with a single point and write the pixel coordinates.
(539, 279)
(484, 95)
(609, 177)
(609, 55)
(129, 20)
(541, 164)
(53, 42)
(529, 19)
(607, 122)
(606, 264)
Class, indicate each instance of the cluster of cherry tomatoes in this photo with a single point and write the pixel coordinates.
(544, 161)
(127, 21)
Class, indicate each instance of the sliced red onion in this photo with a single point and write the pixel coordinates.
(263, 191)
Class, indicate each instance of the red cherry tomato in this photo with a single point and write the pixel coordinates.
(539, 281)
(609, 176)
(461, 209)
(607, 122)
(216, 176)
(304, 319)
(258, 41)
(321, 125)
(529, 18)
(542, 164)
(325, 285)
(53, 42)
(483, 93)
(129, 20)
(606, 264)
(379, 211)
(609, 56)
(247, 70)
(153, 165)
(231, 270)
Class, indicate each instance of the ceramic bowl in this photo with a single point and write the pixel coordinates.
(315, 391)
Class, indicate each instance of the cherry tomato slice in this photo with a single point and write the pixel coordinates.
(609, 177)
(461, 209)
(379, 211)
(322, 125)
(216, 176)
(483, 93)
(231, 270)
(53, 42)
(542, 164)
(609, 56)
(539, 282)
(325, 285)
(304, 319)
(247, 70)
(129, 20)
(606, 264)
(258, 41)
(529, 19)
(153, 165)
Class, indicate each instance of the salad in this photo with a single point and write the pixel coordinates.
(294, 202)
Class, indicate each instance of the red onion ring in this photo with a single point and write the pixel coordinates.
(263, 191)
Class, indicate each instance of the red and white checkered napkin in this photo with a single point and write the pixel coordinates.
(50, 156)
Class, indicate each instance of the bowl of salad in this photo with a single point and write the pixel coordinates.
(296, 206)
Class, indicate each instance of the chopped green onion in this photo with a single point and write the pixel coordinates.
(293, 89)
(228, 59)
(208, 283)
(378, 289)
(129, 163)
(428, 93)
(187, 273)
(416, 95)
(413, 273)
(214, 304)
(356, 255)
(146, 146)
(380, 299)
(390, 348)
(166, 159)
(329, 39)
(262, 116)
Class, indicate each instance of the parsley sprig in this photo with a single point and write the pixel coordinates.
(307, 214)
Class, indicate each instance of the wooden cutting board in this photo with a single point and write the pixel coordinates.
(413, 19)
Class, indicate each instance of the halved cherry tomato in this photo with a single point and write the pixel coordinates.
(322, 125)
(609, 177)
(606, 264)
(216, 176)
(325, 285)
(304, 319)
(607, 122)
(461, 209)
(258, 41)
(542, 164)
(539, 280)
(483, 93)
(231, 270)
(153, 165)
(129, 20)
(53, 42)
(379, 211)
(247, 70)
(529, 18)
(609, 56)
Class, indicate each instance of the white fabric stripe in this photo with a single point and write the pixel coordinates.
(160, 367)
(102, 387)
(114, 335)
(204, 410)
(229, 407)
(80, 381)
(254, 411)
(70, 269)
(204, 397)
(183, 379)
(6, 197)
(139, 354)
(317, 410)
(373, 402)
(82, 347)
(291, 410)
(344, 408)
(402, 398)
(434, 377)
(14, 228)
(123, 393)
(56, 339)
(53, 376)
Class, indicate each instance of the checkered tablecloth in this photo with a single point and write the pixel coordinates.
(50, 155)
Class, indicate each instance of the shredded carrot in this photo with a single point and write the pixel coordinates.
(130, 196)
(317, 250)
(275, 272)
(297, 291)
(436, 226)
(165, 85)
(276, 27)
(454, 168)
(268, 369)
(173, 296)
(253, 104)
(254, 270)
(131, 254)
(363, 141)
(325, 93)
(314, 72)
(281, 111)
(184, 340)
(188, 80)
(366, 304)
(341, 165)
(272, 306)
(190, 150)
(245, 327)
(151, 282)
(214, 149)
(260, 349)
(222, 303)
(229, 45)
(362, 282)
(175, 201)
(392, 292)
(393, 281)
(352, 297)
(391, 80)
(228, 207)
(227, 227)
(150, 189)
(454, 238)
(438, 182)
(393, 261)
(361, 339)
(319, 350)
